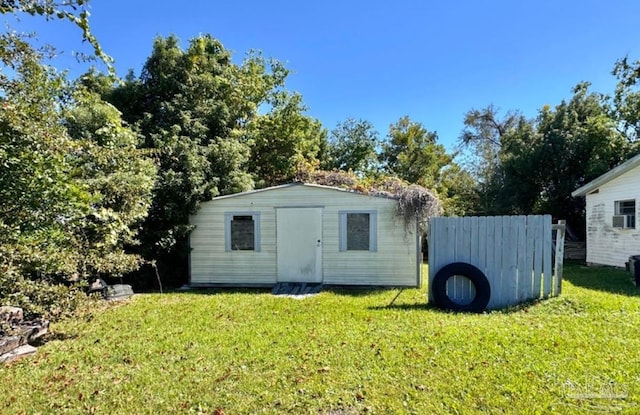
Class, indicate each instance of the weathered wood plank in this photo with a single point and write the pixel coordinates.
(489, 269)
(546, 262)
(9, 343)
(559, 262)
(17, 353)
(538, 258)
(509, 262)
(467, 290)
(527, 281)
(451, 242)
(474, 246)
(482, 244)
(465, 239)
(522, 278)
(432, 252)
(496, 279)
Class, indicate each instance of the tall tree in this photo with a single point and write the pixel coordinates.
(626, 100)
(37, 194)
(119, 179)
(181, 105)
(72, 186)
(458, 191)
(283, 140)
(412, 153)
(538, 163)
(515, 188)
(579, 142)
(353, 145)
(480, 146)
(66, 207)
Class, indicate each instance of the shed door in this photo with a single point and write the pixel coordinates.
(299, 244)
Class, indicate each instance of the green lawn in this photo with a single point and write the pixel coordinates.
(340, 352)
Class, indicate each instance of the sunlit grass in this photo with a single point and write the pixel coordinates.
(340, 352)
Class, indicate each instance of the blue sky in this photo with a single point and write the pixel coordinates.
(381, 60)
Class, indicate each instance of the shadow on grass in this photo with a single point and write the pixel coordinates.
(53, 336)
(344, 290)
(356, 290)
(406, 307)
(523, 306)
(600, 278)
(222, 290)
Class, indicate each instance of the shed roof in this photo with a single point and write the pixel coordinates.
(319, 186)
(608, 176)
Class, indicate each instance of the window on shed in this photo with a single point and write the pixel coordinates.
(242, 232)
(625, 211)
(358, 231)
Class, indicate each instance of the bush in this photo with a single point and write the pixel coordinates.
(39, 298)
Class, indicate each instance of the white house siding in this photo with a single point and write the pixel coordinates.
(605, 244)
(394, 263)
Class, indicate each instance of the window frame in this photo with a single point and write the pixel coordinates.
(373, 230)
(619, 211)
(228, 218)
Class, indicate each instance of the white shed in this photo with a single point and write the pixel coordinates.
(611, 206)
(303, 233)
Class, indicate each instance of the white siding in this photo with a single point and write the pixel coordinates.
(607, 245)
(394, 262)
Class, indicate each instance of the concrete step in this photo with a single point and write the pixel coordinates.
(293, 288)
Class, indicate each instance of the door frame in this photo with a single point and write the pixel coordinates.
(316, 241)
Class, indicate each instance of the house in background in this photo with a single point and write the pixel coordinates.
(303, 233)
(611, 214)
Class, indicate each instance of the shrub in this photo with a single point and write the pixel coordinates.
(39, 298)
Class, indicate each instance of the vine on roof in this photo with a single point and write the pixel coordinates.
(414, 201)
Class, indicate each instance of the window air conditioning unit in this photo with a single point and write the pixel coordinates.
(623, 221)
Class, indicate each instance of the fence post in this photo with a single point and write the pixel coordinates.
(560, 229)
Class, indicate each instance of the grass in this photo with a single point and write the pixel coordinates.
(340, 352)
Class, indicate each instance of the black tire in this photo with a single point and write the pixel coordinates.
(477, 277)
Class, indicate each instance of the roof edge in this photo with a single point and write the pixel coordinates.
(320, 186)
(607, 177)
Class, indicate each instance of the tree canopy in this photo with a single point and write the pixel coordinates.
(566, 146)
(283, 140)
(354, 146)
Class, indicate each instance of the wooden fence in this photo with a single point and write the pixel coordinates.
(513, 252)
